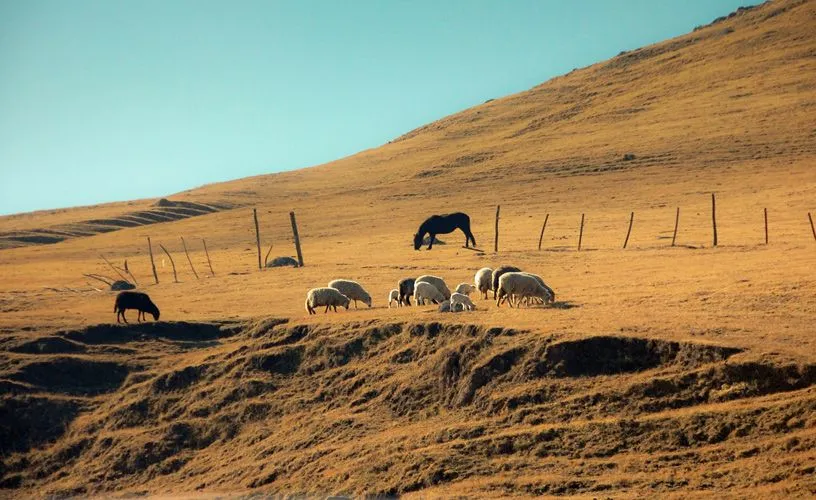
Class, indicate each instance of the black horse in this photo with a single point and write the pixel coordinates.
(444, 224)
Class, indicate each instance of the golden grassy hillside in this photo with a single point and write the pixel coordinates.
(660, 370)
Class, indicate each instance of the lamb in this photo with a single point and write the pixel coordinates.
(393, 296)
(463, 300)
(406, 289)
(497, 273)
(329, 297)
(465, 288)
(436, 281)
(134, 300)
(352, 290)
(483, 280)
(520, 285)
(424, 291)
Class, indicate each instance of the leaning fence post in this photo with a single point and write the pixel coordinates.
(152, 264)
(581, 233)
(811, 226)
(714, 217)
(543, 227)
(257, 235)
(631, 219)
(676, 222)
(183, 244)
(208, 256)
(297, 240)
(496, 233)
(175, 276)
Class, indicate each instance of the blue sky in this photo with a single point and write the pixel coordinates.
(113, 100)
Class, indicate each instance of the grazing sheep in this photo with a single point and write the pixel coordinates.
(519, 285)
(464, 300)
(352, 290)
(134, 300)
(436, 281)
(551, 295)
(483, 280)
(465, 288)
(497, 273)
(446, 307)
(406, 289)
(424, 291)
(393, 296)
(329, 297)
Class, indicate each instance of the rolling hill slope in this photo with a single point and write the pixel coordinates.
(661, 370)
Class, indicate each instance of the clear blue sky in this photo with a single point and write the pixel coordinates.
(110, 100)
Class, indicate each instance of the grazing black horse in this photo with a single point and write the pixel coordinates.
(444, 224)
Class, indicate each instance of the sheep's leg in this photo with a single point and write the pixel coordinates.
(355, 303)
(327, 309)
(118, 314)
(430, 244)
(124, 318)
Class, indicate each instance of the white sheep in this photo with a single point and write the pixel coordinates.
(393, 296)
(329, 297)
(551, 295)
(436, 281)
(520, 286)
(482, 280)
(464, 300)
(352, 290)
(465, 288)
(424, 291)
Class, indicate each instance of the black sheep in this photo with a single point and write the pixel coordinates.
(497, 273)
(406, 289)
(134, 300)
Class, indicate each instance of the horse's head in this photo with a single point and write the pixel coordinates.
(417, 241)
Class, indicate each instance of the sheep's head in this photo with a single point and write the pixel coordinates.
(367, 301)
(417, 241)
(155, 312)
(346, 302)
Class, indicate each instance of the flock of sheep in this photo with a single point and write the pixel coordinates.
(508, 283)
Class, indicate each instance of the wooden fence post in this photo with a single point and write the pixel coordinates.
(208, 256)
(297, 240)
(117, 271)
(257, 236)
(631, 219)
(766, 226)
(496, 234)
(714, 217)
(676, 222)
(811, 226)
(188, 257)
(266, 257)
(541, 236)
(175, 276)
(152, 264)
(581, 233)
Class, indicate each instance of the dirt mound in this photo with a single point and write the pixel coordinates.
(48, 345)
(29, 421)
(430, 404)
(72, 375)
(140, 332)
(613, 355)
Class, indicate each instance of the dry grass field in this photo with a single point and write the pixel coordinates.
(659, 371)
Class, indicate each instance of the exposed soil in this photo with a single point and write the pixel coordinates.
(467, 401)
